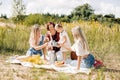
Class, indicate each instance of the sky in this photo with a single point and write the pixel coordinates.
(63, 6)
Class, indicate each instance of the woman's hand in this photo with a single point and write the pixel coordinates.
(45, 44)
(60, 44)
(41, 46)
(46, 39)
(63, 45)
(50, 48)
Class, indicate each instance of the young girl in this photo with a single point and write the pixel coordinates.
(84, 58)
(64, 39)
(36, 42)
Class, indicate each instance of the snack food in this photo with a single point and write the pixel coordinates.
(36, 59)
(59, 63)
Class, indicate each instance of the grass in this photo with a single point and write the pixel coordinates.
(101, 39)
(103, 43)
(18, 72)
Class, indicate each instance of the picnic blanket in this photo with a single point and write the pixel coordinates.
(67, 68)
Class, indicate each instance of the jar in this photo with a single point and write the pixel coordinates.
(52, 56)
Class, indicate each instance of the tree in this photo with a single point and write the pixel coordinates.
(117, 20)
(18, 11)
(35, 19)
(83, 12)
(18, 8)
(100, 18)
(109, 16)
(3, 16)
(93, 17)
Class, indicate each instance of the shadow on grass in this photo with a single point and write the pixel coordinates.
(9, 51)
(112, 70)
(107, 70)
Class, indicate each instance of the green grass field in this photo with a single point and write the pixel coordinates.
(103, 42)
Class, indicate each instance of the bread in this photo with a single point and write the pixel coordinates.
(59, 63)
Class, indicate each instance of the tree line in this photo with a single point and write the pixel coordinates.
(83, 12)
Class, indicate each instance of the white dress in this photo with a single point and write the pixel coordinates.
(67, 43)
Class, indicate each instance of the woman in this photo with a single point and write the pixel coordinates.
(36, 42)
(52, 35)
(80, 47)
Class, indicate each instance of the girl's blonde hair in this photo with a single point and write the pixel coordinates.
(33, 35)
(58, 25)
(79, 35)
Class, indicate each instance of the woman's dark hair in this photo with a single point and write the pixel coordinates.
(50, 23)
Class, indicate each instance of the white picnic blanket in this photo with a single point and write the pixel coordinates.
(67, 68)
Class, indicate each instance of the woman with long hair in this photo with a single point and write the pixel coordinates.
(84, 58)
(36, 42)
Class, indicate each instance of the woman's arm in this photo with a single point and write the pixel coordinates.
(78, 62)
(44, 52)
(64, 39)
(40, 47)
(46, 39)
(67, 47)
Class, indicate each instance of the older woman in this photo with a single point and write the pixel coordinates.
(53, 36)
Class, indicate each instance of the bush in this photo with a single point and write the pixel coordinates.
(19, 19)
